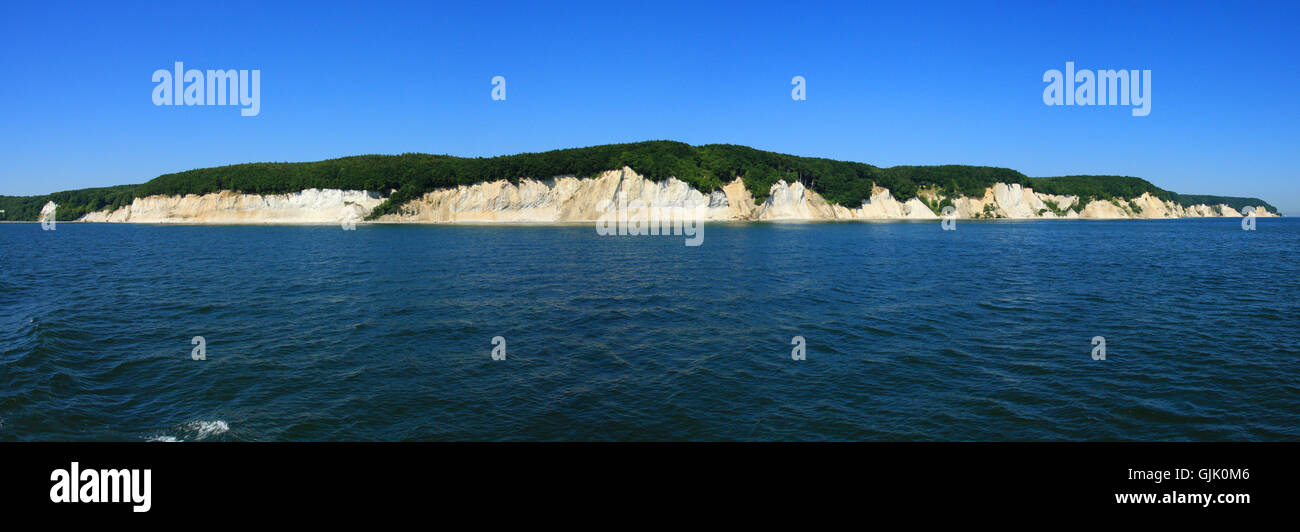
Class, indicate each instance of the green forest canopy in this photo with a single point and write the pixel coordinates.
(707, 167)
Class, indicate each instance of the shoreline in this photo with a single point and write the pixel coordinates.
(498, 223)
(626, 196)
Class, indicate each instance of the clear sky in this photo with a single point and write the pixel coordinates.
(887, 84)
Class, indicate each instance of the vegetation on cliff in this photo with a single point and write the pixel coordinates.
(709, 167)
(72, 204)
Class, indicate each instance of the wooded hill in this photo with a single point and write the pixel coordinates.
(706, 167)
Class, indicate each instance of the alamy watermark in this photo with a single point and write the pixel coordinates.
(1099, 348)
(200, 351)
(1248, 219)
(47, 216)
(76, 485)
(215, 87)
(499, 88)
(643, 218)
(949, 218)
(498, 348)
(1103, 87)
(348, 218)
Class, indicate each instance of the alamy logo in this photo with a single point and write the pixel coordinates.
(348, 217)
(200, 351)
(1104, 87)
(216, 87)
(47, 216)
(499, 88)
(1099, 348)
(949, 222)
(1248, 219)
(639, 217)
(102, 485)
(498, 348)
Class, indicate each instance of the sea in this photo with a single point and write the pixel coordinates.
(1056, 330)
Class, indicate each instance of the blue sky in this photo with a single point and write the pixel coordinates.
(887, 84)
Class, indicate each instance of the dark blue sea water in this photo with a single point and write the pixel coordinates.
(913, 333)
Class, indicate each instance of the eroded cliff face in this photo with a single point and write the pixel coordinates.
(226, 207)
(1147, 206)
(570, 199)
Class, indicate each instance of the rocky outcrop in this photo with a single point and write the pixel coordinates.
(47, 211)
(570, 199)
(573, 199)
(226, 207)
(882, 206)
(1147, 206)
(794, 202)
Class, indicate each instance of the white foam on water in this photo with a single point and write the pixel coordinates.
(197, 429)
(204, 429)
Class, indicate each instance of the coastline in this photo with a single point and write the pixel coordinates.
(484, 223)
(570, 200)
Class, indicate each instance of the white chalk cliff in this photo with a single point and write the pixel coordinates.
(226, 207)
(572, 199)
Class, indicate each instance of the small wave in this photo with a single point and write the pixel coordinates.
(195, 430)
(204, 429)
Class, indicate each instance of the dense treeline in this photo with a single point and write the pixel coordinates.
(1096, 186)
(1123, 187)
(72, 204)
(708, 167)
(1231, 201)
(953, 180)
(20, 207)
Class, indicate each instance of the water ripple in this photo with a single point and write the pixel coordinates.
(912, 333)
